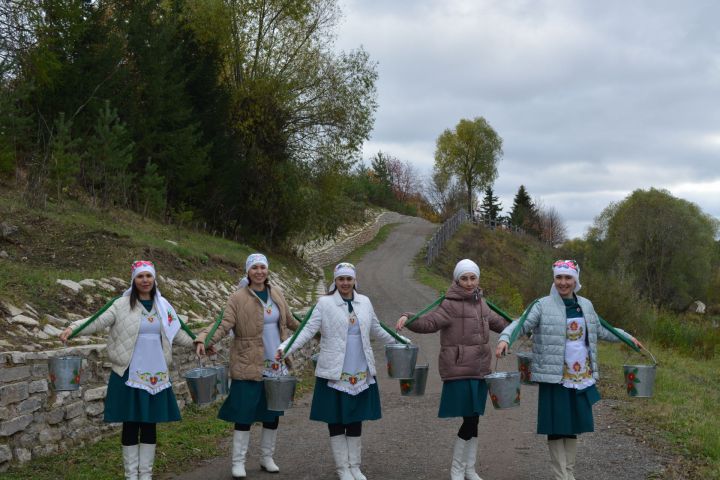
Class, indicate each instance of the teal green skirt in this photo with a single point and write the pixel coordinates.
(463, 398)
(333, 406)
(128, 404)
(246, 404)
(565, 411)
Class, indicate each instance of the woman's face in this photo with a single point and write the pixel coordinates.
(144, 282)
(469, 281)
(258, 274)
(345, 285)
(565, 285)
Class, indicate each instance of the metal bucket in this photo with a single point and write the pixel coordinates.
(202, 383)
(504, 389)
(65, 372)
(524, 363)
(415, 386)
(639, 380)
(401, 360)
(280, 392)
(221, 373)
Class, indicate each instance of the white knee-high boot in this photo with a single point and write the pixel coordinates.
(146, 461)
(558, 461)
(355, 457)
(241, 440)
(267, 449)
(131, 459)
(457, 469)
(470, 459)
(570, 452)
(339, 446)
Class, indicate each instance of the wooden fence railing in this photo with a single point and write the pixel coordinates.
(452, 224)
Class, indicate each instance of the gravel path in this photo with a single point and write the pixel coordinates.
(410, 442)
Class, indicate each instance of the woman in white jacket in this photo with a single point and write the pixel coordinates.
(345, 389)
(143, 326)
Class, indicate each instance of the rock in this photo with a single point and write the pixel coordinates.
(5, 453)
(12, 309)
(13, 374)
(25, 320)
(52, 331)
(23, 455)
(15, 425)
(13, 393)
(74, 286)
(88, 282)
(4, 254)
(7, 230)
(95, 393)
(40, 334)
(105, 286)
(58, 322)
(172, 242)
(38, 386)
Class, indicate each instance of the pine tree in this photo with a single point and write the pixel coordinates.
(490, 207)
(524, 213)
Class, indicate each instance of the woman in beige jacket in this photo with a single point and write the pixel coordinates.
(143, 327)
(260, 319)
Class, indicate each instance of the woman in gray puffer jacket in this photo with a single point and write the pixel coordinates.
(464, 321)
(565, 330)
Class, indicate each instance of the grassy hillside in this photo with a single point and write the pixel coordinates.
(679, 417)
(73, 241)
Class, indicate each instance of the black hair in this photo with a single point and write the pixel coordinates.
(134, 296)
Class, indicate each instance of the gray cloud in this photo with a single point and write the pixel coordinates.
(592, 99)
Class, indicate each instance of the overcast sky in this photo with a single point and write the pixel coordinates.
(592, 99)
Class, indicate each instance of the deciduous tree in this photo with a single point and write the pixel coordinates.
(470, 152)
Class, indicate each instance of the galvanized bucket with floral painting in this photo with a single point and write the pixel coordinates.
(65, 373)
(504, 389)
(640, 379)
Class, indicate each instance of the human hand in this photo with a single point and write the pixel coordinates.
(502, 349)
(636, 342)
(200, 349)
(279, 354)
(65, 334)
(211, 350)
(401, 323)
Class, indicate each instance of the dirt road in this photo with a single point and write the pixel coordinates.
(410, 442)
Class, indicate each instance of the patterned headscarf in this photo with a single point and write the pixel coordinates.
(568, 267)
(168, 316)
(253, 259)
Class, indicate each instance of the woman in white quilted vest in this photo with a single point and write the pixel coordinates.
(346, 392)
(142, 328)
(259, 318)
(565, 330)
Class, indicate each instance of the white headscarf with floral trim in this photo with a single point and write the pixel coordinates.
(168, 316)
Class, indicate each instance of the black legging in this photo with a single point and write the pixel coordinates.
(469, 427)
(245, 427)
(350, 429)
(558, 437)
(130, 430)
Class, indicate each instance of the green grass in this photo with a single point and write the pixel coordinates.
(356, 255)
(73, 241)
